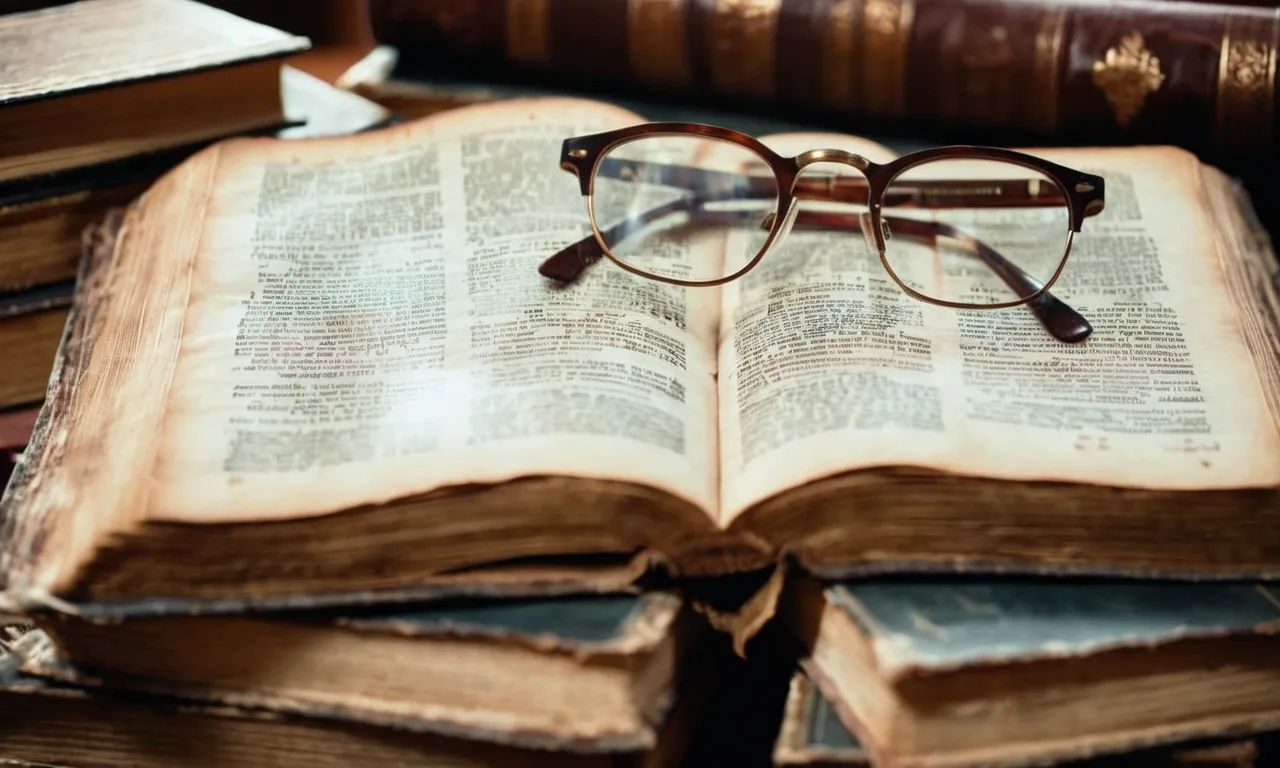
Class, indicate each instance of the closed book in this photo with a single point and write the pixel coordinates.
(69, 724)
(100, 80)
(583, 673)
(812, 735)
(1026, 672)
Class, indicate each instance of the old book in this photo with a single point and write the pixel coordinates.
(812, 735)
(368, 385)
(153, 74)
(50, 723)
(32, 322)
(1024, 672)
(1196, 75)
(42, 218)
(586, 672)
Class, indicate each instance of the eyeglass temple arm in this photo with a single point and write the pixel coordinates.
(1062, 322)
(902, 193)
(568, 264)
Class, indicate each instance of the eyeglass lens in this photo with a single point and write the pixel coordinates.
(665, 204)
(972, 232)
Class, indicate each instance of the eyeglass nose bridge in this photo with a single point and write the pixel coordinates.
(831, 156)
(873, 238)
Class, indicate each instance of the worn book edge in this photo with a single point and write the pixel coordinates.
(897, 657)
(650, 623)
(675, 727)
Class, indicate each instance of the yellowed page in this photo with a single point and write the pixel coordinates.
(842, 370)
(366, 322)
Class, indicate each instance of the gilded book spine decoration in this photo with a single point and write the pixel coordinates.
(1194, 74)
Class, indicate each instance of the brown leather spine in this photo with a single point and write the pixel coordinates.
(1195, 74)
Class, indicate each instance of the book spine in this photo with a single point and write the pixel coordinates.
(1248, 3)
(1193, 74)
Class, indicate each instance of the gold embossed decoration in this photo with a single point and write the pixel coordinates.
(1246, 88)
(1127, 75)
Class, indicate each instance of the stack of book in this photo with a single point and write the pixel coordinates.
(329, 473)
(100, 98)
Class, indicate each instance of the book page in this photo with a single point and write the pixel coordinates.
(367, 322)
(828, 366)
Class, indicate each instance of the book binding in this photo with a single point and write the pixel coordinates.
(1196, 75)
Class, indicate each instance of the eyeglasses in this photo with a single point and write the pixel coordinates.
(963, 227)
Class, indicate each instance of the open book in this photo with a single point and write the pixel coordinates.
(300, 369)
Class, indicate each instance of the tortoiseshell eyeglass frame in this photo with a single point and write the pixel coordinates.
(585, 157)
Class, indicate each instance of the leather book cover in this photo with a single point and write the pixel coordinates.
(1194, 74)
(626, 631)
(577, 621)
(926, 626)
(74, 47)
(618, 623)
